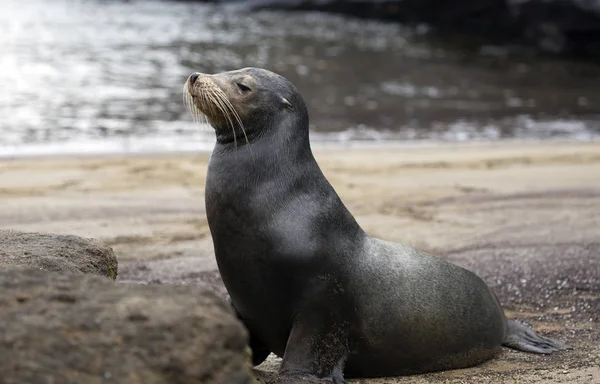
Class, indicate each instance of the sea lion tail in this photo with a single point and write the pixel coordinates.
(519, 336)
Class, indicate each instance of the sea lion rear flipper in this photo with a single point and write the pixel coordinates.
(522, 338)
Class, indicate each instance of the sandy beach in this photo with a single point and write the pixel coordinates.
(523, 216)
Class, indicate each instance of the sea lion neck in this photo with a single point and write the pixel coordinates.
(268, 140)
(276, 171)
(276, 153)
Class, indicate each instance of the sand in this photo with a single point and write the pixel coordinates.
(523, 216)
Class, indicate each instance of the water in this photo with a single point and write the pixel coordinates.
(105, 76)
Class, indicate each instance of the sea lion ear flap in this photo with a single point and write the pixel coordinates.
(286, 103)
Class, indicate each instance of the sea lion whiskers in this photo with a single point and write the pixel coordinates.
(228, 103)
(209, 99)
(230, 106)
(218, 102)
(204, 101)
(187, 99)
(189, 102)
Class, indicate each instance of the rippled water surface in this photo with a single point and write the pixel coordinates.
(108, 75)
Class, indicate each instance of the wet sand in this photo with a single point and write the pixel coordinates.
(523, 216)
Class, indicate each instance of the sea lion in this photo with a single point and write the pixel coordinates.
(307, 281)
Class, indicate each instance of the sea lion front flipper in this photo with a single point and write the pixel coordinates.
(313, 353)
(525, 339)
(260, 352)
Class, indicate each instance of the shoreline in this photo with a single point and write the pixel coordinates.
(317, 145)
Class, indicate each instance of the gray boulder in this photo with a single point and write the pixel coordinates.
(65, 328)
(61, 253)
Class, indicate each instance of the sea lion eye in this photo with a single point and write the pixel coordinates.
(243, 88)
(286, 103)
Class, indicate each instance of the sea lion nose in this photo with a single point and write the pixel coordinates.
(193, 77)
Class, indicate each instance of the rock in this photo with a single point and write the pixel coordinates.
(65, 328)
(62, 253)
(556, 26)
(169, 271)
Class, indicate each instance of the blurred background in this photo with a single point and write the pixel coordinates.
(106, 76)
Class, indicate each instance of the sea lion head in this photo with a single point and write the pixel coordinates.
(245, 104)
